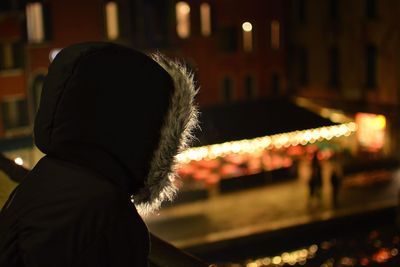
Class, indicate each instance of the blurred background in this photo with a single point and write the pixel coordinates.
(297, 159)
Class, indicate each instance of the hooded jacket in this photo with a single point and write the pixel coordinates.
(110, 123)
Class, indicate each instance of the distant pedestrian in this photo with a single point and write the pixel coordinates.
(335, 182)
(315, 182)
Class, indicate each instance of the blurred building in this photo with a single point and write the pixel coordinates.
(236, 50)
(344, 55)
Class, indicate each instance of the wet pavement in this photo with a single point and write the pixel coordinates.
(270, 207)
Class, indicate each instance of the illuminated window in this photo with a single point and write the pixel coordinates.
(227, 89)
(11, 56)
(205, 16)
(275, 34)
(15, 113)
(182, 19)
(371, 130)
(35, 22)
(247, 36)
(112, 23)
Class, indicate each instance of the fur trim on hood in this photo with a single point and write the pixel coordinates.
(176, 133)
(121, 113)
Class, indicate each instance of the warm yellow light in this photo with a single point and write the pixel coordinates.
(112, 23)
(247, 36)
(182, 10)
(205, 16)
(267, 142)
(19, 161)
(247, 27)
(275, 34)
(380, 122)
(34, 22)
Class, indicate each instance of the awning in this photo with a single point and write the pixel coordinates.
(253, 119)
(258, 125)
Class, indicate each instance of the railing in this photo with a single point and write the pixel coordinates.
(162, 254)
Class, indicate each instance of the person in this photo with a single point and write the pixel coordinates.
(315, 182)
(110, 123)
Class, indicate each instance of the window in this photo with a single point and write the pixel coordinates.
(275, 84)
(334, 9)
(370, 9)
(14, 113)
(275, 34)
(205, 16)
(247, 34)
(371, 66)
(249, 87)
(227, 89)
(334, 79)
(112, 20)
(11, 56)
(228, 39)
(303, 66)
(182, 19)
(37, 22)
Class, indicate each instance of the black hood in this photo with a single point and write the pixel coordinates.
(106, 106)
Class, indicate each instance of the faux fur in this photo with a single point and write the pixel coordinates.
(176, 131)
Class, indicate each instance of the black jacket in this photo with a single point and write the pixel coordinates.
(104, 123)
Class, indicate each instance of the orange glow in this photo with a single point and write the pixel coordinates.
(371, 134)
(34, 21)
(112, 23)
(259, 144)
(247, 36)
(205, 16)
(182, 10)
(275, 34)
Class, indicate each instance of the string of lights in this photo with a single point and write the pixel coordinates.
(267, 142)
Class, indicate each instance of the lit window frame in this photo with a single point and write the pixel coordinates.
(35, 22)
(247, 37)
(111, 17)
(275, 34)
(182, 16)
(205, 19)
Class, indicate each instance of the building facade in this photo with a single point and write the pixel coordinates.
(344, 54)
(236, 51)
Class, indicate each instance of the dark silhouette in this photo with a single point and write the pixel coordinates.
(110, 122)
(315, 182)
(335, 182)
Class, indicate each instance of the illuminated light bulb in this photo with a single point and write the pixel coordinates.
(285, 257)
(183, 8)
(307, 136)
(266, 261)
(313, 249)
(19, 161)
(252, 264)
(276, 260)
(247, 27)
